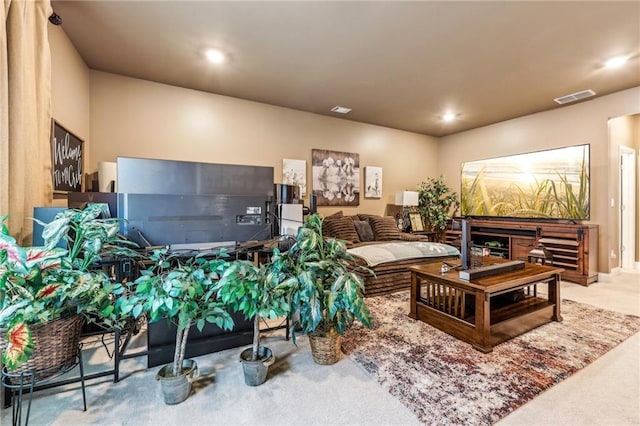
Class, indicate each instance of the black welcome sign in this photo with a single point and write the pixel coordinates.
(67, 156)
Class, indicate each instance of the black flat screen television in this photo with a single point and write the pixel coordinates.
(550, 184)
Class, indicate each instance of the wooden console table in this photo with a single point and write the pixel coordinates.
(488, 310)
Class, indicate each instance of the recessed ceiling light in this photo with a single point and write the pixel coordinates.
(616, 62)
(215, 56)
(448, 117)
(340, 109)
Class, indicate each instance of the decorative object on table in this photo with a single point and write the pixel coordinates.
(372, 182)
(68, 156)
(408, 200)
(258, 292)
(336, 178)
(437, 203)
(180, 290)
(327, 292)
(416, 222)
(294, 172)
(45, 286)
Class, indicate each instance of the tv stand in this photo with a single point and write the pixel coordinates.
(574, 245)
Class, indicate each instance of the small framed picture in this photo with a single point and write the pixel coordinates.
(372, 182)
(416, 222)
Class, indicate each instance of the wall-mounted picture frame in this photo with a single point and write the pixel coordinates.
(67, 159)
(294, 172)
(372, 182)
(336, 178)
(416, 222)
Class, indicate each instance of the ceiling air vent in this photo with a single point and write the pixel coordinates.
(575, 96)
(341, 109)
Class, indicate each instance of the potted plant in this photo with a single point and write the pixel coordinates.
(326, 290)
(257, 292)
(47, 292)
(435, 202)
(181, 290)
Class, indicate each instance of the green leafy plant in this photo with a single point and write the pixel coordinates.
(41, 284)
(257, 292)
(325, 288)
(435, 203)
(181, 290)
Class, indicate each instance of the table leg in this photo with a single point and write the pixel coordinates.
(483, 323)
(554, 297)
(415, 294)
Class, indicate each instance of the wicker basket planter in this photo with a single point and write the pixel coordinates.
(325, 347)
(55, 347)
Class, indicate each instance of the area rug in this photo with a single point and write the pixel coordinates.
(445, 381)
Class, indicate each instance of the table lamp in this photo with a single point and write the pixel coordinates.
(406, 199)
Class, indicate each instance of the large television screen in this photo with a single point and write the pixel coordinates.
(550, 184)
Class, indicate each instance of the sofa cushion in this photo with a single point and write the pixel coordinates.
(367, 216)
(385, 228)
(342, 228)
(364, 230)
(327, 219)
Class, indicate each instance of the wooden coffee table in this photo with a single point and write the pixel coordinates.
(488, 310)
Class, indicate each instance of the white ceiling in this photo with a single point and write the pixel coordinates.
(396, 64)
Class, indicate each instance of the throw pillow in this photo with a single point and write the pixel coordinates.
(343, 229)
(385, 228)
(364, 230)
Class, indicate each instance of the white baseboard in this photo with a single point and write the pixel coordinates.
(606, 277)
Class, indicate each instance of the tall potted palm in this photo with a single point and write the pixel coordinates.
(47, 292)
(180, 290)
(258, 292)
(326, 289)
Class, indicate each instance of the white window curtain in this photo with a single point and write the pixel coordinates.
(25, 113)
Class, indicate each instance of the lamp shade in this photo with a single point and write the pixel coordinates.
(407, 198)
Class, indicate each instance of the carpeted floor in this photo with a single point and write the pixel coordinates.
(445, 381)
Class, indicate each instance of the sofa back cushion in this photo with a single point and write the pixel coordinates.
(385, 228)
(326, 220)
(342, 228)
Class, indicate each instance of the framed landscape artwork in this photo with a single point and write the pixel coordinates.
(336, 178)
(294, 172)
(372, 182)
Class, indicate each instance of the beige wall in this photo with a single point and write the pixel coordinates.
(69, 91)
(123, 116)
(585, 122)
(137, 118)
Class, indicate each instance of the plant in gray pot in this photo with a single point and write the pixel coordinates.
(326, 289)
(257, 292)
(180, 290)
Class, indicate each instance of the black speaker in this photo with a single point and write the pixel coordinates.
(465, 243)
(313, 203)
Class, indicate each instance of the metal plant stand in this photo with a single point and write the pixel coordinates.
(16, 384)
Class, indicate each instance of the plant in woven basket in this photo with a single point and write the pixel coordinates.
(39, 285)
(180, 290)
(326, 289)
(435, 202)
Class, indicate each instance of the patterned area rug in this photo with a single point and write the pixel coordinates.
(445, 381)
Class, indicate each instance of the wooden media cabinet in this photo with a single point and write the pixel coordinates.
(574, 246)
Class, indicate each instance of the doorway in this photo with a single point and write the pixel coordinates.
(627, 207)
